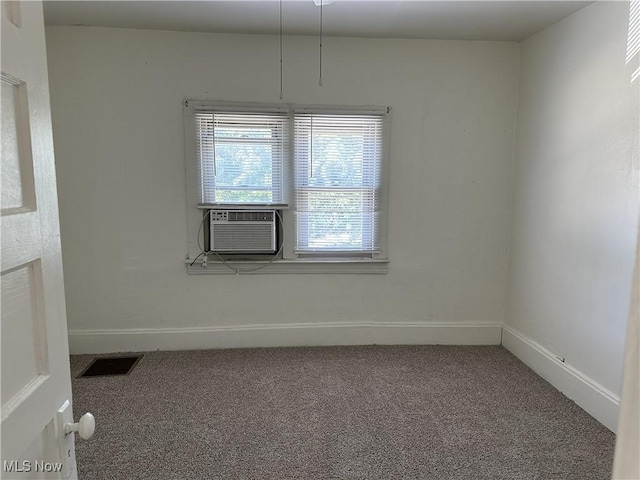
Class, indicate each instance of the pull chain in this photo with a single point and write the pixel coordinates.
(281, 94)
(320, 80)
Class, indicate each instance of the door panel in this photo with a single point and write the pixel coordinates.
(17, 173)
(35, 357)
(40, 448)
(24, 333)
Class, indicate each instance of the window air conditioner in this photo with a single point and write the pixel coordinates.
(242, 231)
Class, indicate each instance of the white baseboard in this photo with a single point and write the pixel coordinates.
(601, 403)
(596, 400)
(283, 335)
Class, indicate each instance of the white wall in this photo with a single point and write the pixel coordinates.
(117, 118)
(575, 198)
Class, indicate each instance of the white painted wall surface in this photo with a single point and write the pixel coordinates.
(117, 117)
(575, 195)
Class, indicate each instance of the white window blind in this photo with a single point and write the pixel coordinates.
(338, 161)
(241, 157)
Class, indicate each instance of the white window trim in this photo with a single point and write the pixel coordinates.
(290, 262)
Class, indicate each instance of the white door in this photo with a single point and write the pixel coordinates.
(35, 363)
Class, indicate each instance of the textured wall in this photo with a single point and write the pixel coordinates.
(575, 198)
(118, 129)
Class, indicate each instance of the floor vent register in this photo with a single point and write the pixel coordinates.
(107, 366)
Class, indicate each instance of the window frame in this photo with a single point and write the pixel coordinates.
(278, 178)
(369, 180)
(289, 261)
(277, 181)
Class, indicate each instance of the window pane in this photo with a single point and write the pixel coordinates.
(334, 232)
(337, 179)
(243, 165)
(240, 131)
(336, 160)
(334, 220)
(241, 157)
(244, 196)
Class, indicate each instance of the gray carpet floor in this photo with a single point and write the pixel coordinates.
(372, 412)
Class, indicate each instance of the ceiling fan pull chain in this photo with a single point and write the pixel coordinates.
(320, 80)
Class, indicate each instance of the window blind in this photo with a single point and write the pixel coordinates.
(338, 161)
(241, 157)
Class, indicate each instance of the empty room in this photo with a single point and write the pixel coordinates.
(320, 239)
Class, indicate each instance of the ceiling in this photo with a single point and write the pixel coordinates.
(463, 20)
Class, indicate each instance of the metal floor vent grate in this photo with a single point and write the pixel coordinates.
(101, 367)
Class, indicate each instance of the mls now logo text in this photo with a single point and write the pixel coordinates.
(14, 466)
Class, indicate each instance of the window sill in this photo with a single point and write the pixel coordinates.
(315, 265)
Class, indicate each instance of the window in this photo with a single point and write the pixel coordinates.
(338, 162)
(323, 169)
(241, 157)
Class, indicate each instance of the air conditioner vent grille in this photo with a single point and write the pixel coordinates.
(248, 231)
(254, 216)
(252, 238)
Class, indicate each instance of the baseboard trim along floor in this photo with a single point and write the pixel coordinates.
(595, 399)
(283, 335)
(599, 402)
